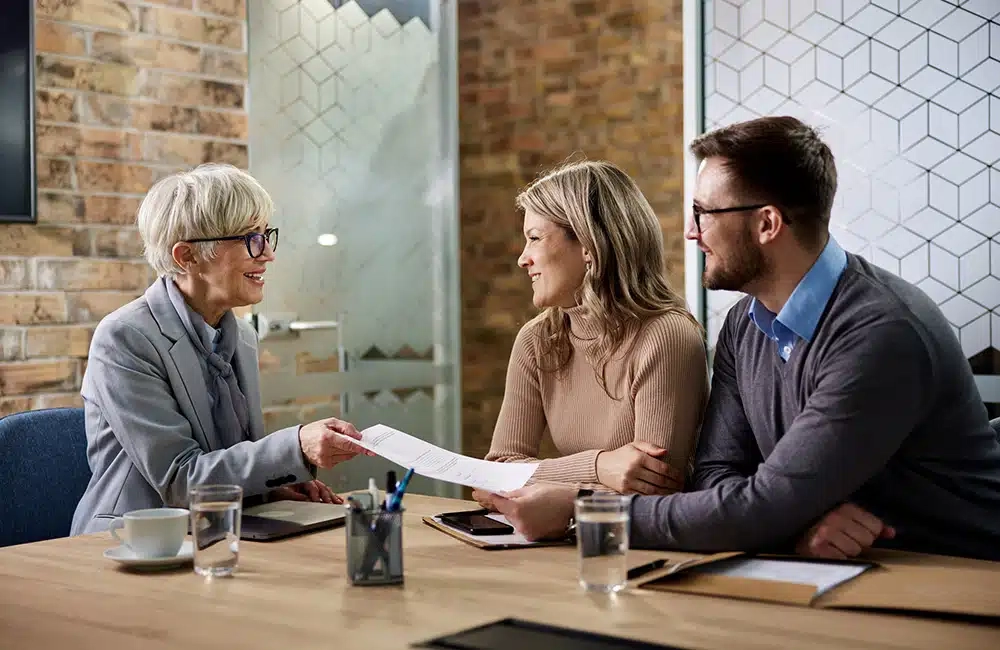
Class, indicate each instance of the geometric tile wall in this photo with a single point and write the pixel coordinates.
(907, 95)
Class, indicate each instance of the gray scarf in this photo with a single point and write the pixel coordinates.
(229, 407)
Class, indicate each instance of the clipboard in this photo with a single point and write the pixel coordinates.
(914, 584)
(491, 542)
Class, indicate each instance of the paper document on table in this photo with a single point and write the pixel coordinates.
(823, 576)
(434, 462)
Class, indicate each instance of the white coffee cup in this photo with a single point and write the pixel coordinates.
(153, 532)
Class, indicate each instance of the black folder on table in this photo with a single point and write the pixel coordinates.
(524, 635)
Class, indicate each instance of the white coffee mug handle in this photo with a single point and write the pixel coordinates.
(113, 529)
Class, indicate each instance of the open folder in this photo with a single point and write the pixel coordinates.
(489, 542)
(916, 583)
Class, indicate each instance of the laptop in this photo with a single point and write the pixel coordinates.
(281, 519)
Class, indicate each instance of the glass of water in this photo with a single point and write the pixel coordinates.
(216, 511)
(602, 525)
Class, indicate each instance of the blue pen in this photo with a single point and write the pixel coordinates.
(397, 496)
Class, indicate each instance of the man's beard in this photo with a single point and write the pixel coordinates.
(738, 269)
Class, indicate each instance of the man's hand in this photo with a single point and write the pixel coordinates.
(844, 532)
(636, 468)
(314, 490)
(538, 511)
(327, 442)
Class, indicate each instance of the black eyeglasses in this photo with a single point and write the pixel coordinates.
(697, 211)
(254, 240)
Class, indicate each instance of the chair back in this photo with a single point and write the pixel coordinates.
(43, 473)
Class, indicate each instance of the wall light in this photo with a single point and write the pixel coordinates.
(327, 239)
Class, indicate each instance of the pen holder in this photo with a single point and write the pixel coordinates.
(374, 547)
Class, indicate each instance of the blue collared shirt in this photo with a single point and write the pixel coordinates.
(798, 319)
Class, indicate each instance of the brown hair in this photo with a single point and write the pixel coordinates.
(781, 161)
(600, 206)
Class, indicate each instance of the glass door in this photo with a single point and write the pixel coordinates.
(353, 125)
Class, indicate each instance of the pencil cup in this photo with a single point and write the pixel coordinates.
(374, 547)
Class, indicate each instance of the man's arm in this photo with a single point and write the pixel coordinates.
(869, 395)
(727, 448)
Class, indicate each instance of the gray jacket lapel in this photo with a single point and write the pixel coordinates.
(185, 357)
(248, 374)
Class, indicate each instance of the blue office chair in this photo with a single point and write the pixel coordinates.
(996, 427)
(43, 473)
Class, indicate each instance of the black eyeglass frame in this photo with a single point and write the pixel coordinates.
(247, 239)
(697, 211)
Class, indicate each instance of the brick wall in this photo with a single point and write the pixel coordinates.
(126, 92)
(540, 80)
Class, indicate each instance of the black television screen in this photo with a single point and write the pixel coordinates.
(17, 133)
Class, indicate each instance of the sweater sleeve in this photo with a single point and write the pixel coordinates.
(670, 387)
(517, 436)
(871, 391)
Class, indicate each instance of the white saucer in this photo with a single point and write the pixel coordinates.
(126, 557)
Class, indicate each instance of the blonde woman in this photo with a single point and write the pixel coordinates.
(615, 367)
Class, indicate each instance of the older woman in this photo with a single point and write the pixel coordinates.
(614, 368)
(171, 392)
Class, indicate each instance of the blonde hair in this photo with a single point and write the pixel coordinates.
(625, 285)
(211, 200)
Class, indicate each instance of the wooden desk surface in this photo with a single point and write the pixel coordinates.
(294, 594)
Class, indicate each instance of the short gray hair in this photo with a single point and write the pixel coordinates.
(211, 200)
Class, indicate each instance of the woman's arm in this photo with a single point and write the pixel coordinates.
(127, 379)
(670, 387)
(521, 423)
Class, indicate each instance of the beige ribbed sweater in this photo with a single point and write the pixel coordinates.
(662, 383)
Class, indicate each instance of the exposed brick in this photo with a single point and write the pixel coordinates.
(54, 173)
(223, 124)
(113, 177)
(11, 344)
(57, 400)
(146, 52)
(83, 242)
(99, 13)
(107, 110)
(228, 8)
(227, 152)
(12, 405)
(163, 117)
(58, 140)
(56, 105)
(225, 64)
(221, 94)
(89, 274)
(114, 78)
(32, 308)
(69, 341)
(35, 240)
(24, 377)
(110, 209)
(92, 306)
(62, 39)
(178, 149)
(14, 274)
(118, 243)
(190, 27)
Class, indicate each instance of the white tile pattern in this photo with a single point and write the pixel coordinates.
(908, 95)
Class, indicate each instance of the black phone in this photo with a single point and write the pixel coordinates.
(475, 522)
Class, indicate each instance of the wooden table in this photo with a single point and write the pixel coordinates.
(294, 594)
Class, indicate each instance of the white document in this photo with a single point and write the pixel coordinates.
(821, 575)
(434, 462)
(513, 539)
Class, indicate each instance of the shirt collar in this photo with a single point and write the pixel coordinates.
(805, 306)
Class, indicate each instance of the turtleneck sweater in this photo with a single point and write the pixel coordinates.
(658, 385)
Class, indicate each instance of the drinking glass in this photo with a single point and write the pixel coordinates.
(602, 527)
(216, 511)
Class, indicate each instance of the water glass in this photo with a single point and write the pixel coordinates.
(216, 511)
(602, 527)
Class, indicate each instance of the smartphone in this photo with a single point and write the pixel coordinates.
(475, 522)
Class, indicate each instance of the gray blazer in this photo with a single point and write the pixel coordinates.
(150, 434)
